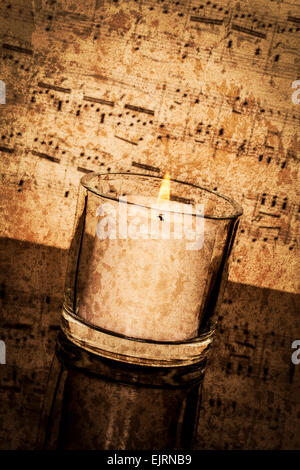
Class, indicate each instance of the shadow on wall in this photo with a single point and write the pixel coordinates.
(254, 337)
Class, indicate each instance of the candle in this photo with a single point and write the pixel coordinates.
(144, 268)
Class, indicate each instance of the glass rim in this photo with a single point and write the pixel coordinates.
(237, 209)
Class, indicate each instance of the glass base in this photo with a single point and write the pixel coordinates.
(110, 392)
(122, 348)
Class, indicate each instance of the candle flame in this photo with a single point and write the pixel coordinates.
(165, 188)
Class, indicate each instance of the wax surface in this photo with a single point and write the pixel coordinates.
(144, 288)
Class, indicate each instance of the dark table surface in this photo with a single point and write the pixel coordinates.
(251, 396)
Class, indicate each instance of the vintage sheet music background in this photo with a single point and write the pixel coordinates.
(200, 88)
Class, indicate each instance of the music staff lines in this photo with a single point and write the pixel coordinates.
(193, 97)
(210, 135)
(256, 233)
(251, 340)
(283, 233)
(241, 23)
(211, 12)
(47, 146)
(67, 174)
(216, 405)
(12, 139)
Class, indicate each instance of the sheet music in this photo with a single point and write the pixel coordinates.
(202, 89)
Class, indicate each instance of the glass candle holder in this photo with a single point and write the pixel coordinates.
(143, 266)
(144, 280)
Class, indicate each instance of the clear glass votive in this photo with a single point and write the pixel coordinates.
(148, 268)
